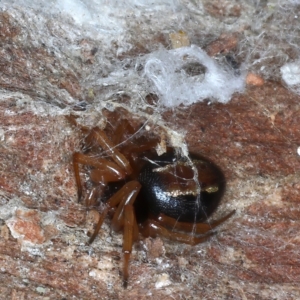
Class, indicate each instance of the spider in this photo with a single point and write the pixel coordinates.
(147, 194)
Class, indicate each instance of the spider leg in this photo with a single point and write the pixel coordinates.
(134, 150)
(90, 199)
(123, 128)
(101, 139)
(131, 190)
(200, 228)
(125, 196)
(153, 228)
(102, 216)
(124, 217)
(141, 146)
(129, 236)
(109, 170)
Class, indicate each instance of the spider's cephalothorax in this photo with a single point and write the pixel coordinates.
(166, 195)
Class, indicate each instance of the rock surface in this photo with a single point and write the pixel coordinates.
(43, 252)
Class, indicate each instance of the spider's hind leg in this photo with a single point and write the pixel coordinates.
(183, 232)
(154, 228)
(198, 228)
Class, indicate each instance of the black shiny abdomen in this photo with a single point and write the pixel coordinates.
(158, 194)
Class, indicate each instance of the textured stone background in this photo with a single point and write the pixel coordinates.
(254, 139)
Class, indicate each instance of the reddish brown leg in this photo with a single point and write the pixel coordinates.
(91, 197)
(141, 147)
(126, 195)
(132, 151)
(129, 224)
(191, 227)
(153, 228)
(123, 128)
(135, 229)
(72, 120)
(123, 217)
(99, 224)
(129, 197)
(101, 139)
(109, 170)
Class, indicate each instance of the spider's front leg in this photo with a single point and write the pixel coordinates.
(124, 218)
(104, 170)
(125, 196)
(130, 235)
(98, 137)
(113, 169)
